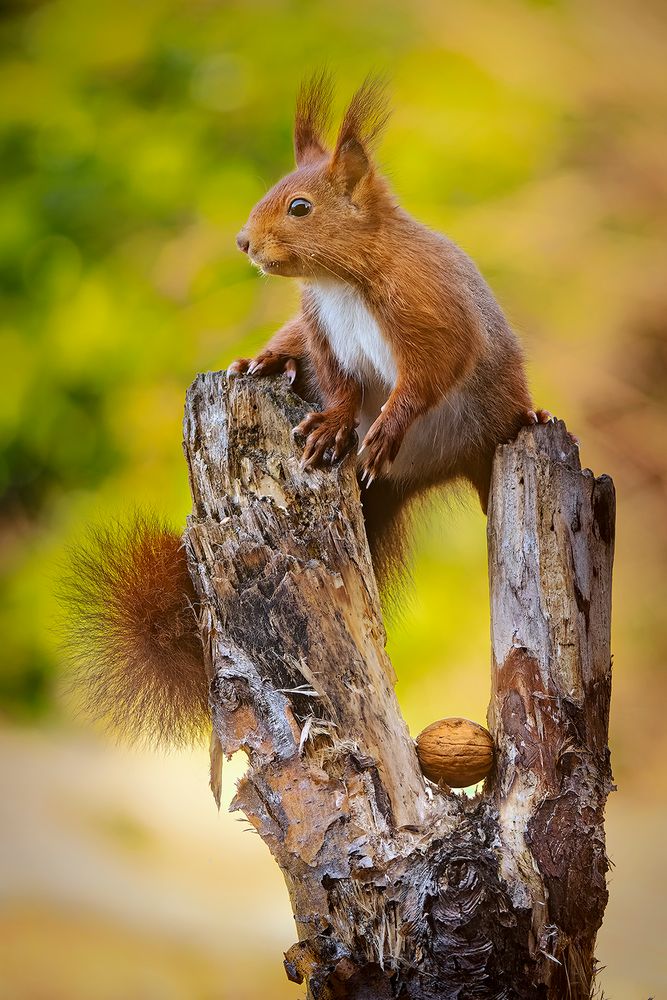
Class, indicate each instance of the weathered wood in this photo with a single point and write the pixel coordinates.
(551, 531)
(399, 889)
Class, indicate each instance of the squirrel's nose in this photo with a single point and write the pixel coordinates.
(242, 242)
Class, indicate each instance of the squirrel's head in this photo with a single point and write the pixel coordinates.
(315, 221)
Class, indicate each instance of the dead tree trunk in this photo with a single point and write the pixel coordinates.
(399, 889)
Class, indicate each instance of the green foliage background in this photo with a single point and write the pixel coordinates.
(135, 138)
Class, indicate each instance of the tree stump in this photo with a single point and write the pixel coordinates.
(400, 888)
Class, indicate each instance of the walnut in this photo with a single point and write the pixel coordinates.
(457, 752)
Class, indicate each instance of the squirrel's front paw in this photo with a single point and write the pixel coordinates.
(378, 450)
(329, 436)
(538, 417)
(266, 363)
(545, 417)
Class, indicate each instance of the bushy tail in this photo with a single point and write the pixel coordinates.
(132, 633)
(131, 628)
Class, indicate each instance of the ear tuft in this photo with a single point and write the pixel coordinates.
(367, 114)
(312, 117)
(362, 125)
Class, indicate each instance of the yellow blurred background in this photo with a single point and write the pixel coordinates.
(135, 137)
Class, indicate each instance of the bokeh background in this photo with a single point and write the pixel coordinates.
(136, 135)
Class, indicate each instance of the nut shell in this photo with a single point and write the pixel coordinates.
(457, 752)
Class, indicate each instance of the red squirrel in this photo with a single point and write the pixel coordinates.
(402, 336)
(398, 336)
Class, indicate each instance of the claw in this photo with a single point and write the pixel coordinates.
(290, 371)
(236, 368)
(306, 459)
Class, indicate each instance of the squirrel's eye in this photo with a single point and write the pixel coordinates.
(299, 207)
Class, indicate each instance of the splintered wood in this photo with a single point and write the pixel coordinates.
(399, 889)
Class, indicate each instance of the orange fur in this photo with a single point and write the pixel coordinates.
(448, 339)
(312, 117)
(132, 633)
(435, 341)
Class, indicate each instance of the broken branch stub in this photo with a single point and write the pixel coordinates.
(398, 891)
(551, 545)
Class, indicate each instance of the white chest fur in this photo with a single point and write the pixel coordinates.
(353, 333)
(432, 442)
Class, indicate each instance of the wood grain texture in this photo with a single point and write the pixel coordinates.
(398, 889)
(551, 543)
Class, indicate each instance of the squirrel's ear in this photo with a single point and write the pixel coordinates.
(362, 124)
(312, 118)
(349, 163)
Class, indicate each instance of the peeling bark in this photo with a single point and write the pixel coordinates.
(398, 889)
(551, 529)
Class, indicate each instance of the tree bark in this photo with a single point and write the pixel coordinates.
(400, 888)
